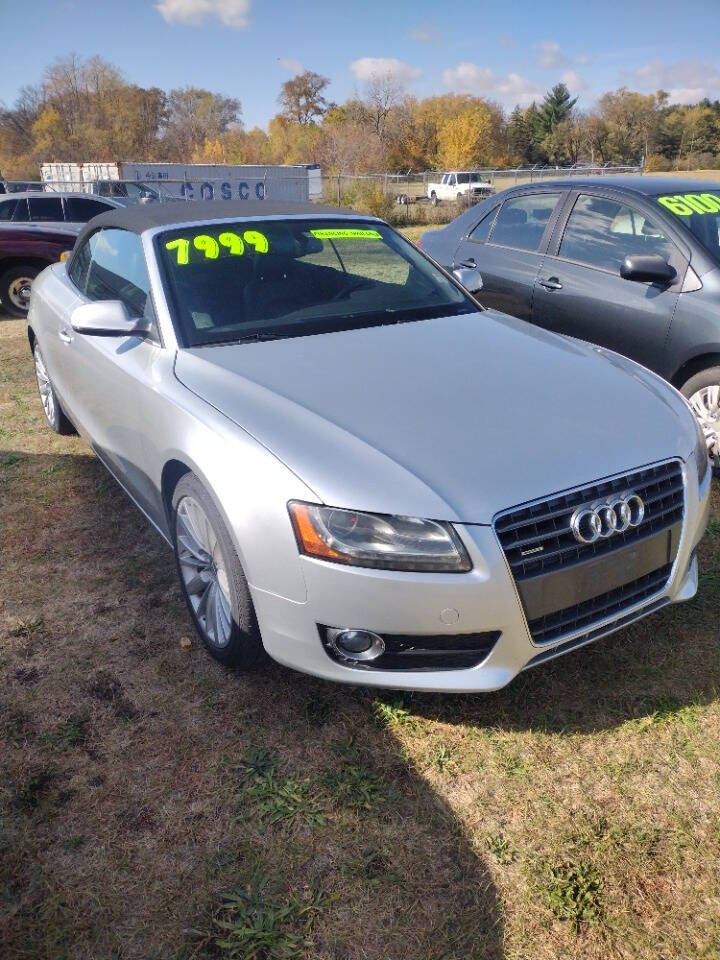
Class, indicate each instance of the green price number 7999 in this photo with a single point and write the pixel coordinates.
(211, 246)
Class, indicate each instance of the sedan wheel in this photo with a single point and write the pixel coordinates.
(702, 392)
(212, 579)
(706, 404)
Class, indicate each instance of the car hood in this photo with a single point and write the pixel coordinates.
(453, 418)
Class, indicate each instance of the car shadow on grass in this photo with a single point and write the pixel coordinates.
(158, 805)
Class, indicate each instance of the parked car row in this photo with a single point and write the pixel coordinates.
(25, 250)
(362, 471)
(629, 263)
(35, 230)
(55, 208)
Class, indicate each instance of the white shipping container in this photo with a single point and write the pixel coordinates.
(67, 177)
(190, 181)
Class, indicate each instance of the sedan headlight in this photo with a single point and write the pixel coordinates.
(376, 540)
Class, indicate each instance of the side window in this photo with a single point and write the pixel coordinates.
(45, 209)
(78, 269)
(7, 208)
(463, 178)
(521, 222)
(451, 180)
(117, 270)
(80, 210)
(20, 215)
(602, 232)
(482, 231)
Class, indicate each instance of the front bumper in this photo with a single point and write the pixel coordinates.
(485, 599)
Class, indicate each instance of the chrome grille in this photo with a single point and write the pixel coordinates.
(537, 539)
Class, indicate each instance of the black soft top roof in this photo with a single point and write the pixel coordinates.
(145, 216)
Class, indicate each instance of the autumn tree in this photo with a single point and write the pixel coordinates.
(301, 98)
(631, 120)
(383, 91)
(195, 116)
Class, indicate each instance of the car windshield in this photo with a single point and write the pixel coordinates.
(264, 279)
(700, 213)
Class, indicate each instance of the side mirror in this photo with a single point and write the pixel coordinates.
(647, 268)
(107, 318)
(470, 278)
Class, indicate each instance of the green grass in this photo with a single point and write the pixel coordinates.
(258, 923)
(155, 805)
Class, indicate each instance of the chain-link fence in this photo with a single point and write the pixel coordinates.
(422, 197)
(437, 196)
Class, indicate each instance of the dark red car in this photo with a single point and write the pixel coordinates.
(25, 251)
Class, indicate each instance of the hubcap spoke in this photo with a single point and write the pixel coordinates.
(202, 568)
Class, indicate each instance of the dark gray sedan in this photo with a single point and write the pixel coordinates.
(630, 263)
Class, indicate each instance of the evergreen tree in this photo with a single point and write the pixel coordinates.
(555, 108)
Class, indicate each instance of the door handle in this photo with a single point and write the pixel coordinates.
(65, 335)
(469, 263)
(552, 283)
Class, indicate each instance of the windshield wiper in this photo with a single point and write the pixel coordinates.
(257, 337)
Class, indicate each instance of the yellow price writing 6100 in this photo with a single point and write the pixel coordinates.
(685, 204)
(228, 241)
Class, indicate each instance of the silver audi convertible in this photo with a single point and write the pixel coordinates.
(360, 470)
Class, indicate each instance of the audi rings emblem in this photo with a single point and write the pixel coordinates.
(601, 520)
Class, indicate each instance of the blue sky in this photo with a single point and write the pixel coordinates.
(508, 52)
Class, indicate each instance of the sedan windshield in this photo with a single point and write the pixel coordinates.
(700, 213)
(283, 278)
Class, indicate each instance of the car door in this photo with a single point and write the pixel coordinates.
(580, 292)
(507, 248)
(106, 379)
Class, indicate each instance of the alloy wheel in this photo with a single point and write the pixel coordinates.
(203, 571)
(706, 405)
(45, 389)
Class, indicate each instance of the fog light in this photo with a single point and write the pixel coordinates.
(356, 644)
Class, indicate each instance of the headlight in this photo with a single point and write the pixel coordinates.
(375, 540)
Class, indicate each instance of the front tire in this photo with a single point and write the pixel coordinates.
(15, 285)
(54, 413)
(212, 579)
(703, 393)
(433, 199)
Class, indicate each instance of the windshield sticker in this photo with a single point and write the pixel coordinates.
(685, 204)
(227, 242)
(333, 233)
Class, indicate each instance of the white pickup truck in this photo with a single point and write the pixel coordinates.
(459, 185)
